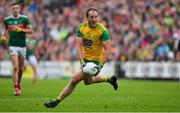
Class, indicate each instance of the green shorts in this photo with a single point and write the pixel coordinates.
(94, 61)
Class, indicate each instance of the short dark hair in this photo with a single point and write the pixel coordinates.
(90, 9)
(15, 3)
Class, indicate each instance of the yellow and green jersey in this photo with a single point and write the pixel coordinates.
(16, 38)
(92, 41)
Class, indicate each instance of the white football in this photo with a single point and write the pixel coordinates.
(90, 68)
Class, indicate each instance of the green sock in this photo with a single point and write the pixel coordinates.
(108, 80)
(57, 101)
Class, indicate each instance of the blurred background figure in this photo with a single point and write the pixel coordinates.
(31, 59)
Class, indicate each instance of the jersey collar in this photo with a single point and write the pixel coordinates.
(15, 17)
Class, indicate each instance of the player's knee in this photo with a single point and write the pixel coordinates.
(74, 81)
(15, 68)
(87, 82)
(21, 69)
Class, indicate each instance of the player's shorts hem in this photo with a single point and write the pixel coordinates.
(13, 50)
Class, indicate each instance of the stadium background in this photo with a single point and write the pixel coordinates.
(141, 31)
(142, 34)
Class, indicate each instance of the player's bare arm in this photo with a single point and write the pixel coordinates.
(79, 48)
(4, 33)
(5, 30)
(28, 29)
(107, 50)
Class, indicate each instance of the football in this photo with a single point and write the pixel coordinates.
(90, 68)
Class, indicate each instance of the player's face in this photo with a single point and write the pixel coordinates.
(92, 18)
(15, 10)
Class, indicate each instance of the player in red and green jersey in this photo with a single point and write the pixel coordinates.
(16, 27)
(93, 45)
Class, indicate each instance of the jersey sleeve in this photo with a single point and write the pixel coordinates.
(27, 22)
(105, 36)
(5, 23)
(78, 33)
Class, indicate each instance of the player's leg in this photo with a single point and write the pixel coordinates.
(33, 62)
(67, 90)
(35, 78)
(71, 85)
(113, 81)
(21, 61)
(20, 68)
(14, 60)
(90, 80)
(98, 79)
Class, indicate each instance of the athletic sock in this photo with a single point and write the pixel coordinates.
(19, 87)
(57, 101)
(108, 79)
(16, 86)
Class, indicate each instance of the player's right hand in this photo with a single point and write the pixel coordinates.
(4, 39)
(18, 29)
(82, 64)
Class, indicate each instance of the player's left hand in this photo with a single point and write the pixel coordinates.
(18, 29)
(82, 64)
(4, 38)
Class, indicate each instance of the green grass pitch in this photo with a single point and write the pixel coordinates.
(132, 96)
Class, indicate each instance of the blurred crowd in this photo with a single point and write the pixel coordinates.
(140, 30)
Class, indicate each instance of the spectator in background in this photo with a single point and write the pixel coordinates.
(130, 22)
